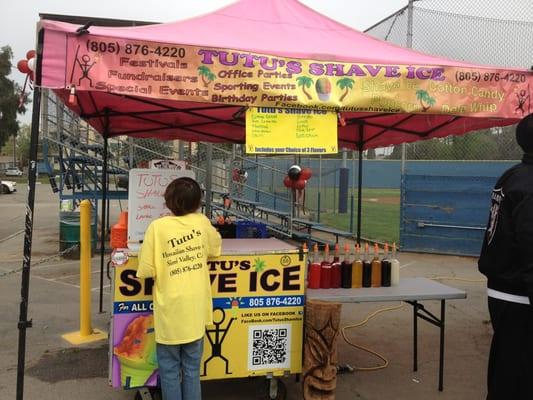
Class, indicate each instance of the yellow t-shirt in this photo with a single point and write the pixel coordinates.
(174, 252)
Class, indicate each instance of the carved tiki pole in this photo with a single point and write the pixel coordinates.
(319, 369)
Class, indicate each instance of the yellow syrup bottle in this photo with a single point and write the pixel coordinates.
(357, 268)
(367, 268)
(376, 268)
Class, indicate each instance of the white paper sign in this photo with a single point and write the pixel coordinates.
(146, 200)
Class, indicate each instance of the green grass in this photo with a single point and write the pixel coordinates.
(379, 222)
(380, 212)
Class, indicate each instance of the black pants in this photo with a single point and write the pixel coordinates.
(510, 373)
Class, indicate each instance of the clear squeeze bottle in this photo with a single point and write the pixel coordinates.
(346, 268)
(304, 250)
(313, 279)
(325, 270)
(357, 268)
(395, 268)
(376, 268)
(336, 274)
(367, 268)
(386, 267)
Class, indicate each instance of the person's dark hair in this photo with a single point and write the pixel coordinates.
(524, 134)
(183, 196)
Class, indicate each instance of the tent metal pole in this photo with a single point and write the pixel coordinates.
(360, 183)
(103, 224)
(23, 322)
(319, 187)
(352, 192)
(208, 180)
(409, 45)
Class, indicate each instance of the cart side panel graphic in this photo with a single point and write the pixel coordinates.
(258, 309)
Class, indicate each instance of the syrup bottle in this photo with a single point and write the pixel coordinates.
(304, 250)
(386, 267)
(336, 274)
(325, 270)
(357, 268)
(395, 268)
(376, 268)
(346, 268)
(367, 269)
(313, 281)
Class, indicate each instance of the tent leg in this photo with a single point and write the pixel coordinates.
(208, 180)
(24, 323)
(360, 184)
(103, 219)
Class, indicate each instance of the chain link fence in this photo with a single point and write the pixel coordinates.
(479, 31)
(485, 32)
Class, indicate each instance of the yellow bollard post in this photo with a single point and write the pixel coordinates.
(86, 334)
(85, 268)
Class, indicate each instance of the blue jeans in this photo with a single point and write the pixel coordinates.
(179, 370)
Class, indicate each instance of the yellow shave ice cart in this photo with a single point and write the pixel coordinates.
(258, 310)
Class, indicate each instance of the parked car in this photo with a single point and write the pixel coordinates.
(13, 171)
(8, 187)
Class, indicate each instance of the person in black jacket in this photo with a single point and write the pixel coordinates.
(507, 261)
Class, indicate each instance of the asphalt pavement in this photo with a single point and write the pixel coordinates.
(57, 370)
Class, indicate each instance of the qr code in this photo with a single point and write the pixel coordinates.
(269, 346)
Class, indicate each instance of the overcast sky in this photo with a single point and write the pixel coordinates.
(18, 19)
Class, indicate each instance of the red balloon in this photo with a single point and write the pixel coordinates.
(300, 184)
(22, 66)
(31, 74)
(30, 54)
(288, 182)
(306, 173)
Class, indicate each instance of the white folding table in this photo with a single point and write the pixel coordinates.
(411, 291)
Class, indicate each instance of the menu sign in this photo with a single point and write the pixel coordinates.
(145, 199)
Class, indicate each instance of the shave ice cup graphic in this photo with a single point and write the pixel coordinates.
(136, 352)
(323, 88)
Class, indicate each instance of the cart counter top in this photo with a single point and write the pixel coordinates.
(255, 246)
(246, 247)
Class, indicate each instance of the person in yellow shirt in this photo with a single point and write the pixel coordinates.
(174, 252)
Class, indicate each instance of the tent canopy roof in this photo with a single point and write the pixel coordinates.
(284, 28)
(277, 27)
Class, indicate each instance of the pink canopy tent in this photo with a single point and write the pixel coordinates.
(193, 79)
(285, 29)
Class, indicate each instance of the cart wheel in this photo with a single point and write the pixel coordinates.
(276, 389)
(148, 394)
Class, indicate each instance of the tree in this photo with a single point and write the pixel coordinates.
(9, 98)
(345, 84)
(305, 82)
(23, 145)
(206, 75)
(424, 98)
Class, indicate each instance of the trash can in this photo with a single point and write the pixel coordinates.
(69, 233)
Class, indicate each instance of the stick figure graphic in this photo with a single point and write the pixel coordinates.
(522, 97)
(215, 339)
(85, 68)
